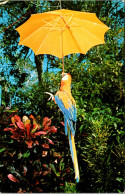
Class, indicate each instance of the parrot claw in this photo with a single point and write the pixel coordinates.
(51, 96)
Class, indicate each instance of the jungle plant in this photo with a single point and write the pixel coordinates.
(30, 158)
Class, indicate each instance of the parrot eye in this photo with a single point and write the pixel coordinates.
(65, 77)
(63, 74)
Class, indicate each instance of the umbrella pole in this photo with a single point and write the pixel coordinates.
(62, 54)
(63, 63)
(62, 43)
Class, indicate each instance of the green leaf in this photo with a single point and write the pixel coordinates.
(121, 132)
(119, 191)
(11, 141)
(54, 170)
(115, 125)
(26, 155)
(119, 179)
(19, 155)
(1, 150)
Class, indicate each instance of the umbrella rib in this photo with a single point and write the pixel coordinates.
(82, 28)
(51, 25)
(88, 31)
(67, 21)
(72, 36)
(68, 15)
(102, 25)
(46, 36)
(38, 30)
(57, 27)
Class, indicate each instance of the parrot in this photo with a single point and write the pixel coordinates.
(63, 98)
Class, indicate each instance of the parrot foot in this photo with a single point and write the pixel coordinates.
(51, 96)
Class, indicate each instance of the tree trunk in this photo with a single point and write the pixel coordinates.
(39, 66)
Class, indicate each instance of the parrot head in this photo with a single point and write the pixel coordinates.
(66, 77)
(65, 82)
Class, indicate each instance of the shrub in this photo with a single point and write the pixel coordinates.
(30, 161)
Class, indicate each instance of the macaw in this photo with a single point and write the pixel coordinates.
(63, 98)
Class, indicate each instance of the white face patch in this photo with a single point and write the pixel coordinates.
(65, 77)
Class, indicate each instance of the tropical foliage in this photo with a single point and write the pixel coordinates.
(34, 151)
(30, 161)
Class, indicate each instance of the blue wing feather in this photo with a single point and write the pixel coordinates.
(69, 114)
(63, 109)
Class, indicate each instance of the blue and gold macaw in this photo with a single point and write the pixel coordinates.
(63, 98)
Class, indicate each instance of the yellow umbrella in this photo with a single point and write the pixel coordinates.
(62, 32)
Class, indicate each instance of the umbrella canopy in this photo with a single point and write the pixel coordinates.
(62, 32)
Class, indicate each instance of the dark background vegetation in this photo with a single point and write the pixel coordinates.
(97, 87)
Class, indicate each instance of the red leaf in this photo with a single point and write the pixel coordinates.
(9, 129)
(53, 129)
(20, 124)
(28, 129)
(35, 126)
(50, 141)
(15, 136)
(40, 133)
(46, 128)
(45, 166)
(29, 143)
(45, 145)
(12, 178)
(17, 118)
(62, 123)
(68, 170)
(32, 117)
(37, 182)
(46, 121)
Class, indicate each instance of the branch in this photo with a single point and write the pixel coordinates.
(4, 2)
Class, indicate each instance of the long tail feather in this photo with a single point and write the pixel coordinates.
(65, 123)
(76, 168)
(73, 154)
